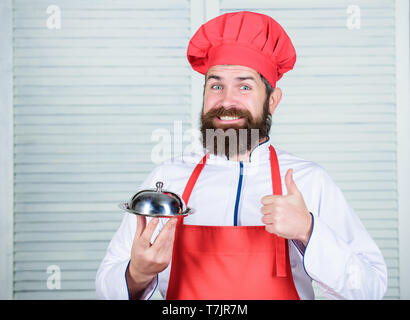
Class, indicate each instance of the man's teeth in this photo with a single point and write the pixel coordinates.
(228, 118)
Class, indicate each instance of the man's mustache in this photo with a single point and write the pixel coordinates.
(231, 112)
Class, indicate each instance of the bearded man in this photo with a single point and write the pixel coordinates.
(267, 223)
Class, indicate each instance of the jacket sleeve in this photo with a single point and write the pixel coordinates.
(340, 255)
(110, 281)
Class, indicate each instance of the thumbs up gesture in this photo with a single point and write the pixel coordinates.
(287, 216)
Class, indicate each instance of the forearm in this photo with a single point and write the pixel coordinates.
(110, 280)
(341, 268)
(136, 285)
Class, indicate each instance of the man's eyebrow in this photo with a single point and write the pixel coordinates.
(212, 76)
(245, 78)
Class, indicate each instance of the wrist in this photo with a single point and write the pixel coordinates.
(307, 233)
(138, 278)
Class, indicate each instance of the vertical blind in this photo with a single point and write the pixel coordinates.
(88, 96)
(338, 106)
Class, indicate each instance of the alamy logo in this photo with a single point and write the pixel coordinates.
(353, 19)
(54, 18)
(54, 278)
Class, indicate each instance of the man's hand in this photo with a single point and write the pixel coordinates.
(287, 216)
(147, 259)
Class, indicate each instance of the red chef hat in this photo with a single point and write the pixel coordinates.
(243, 38)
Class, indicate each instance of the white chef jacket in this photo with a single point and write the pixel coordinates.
(340, 256)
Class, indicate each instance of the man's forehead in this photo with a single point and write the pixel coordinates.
(231, 71)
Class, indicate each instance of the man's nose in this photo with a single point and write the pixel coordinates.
(228, 98)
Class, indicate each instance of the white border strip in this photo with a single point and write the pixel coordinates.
(6, 151)
(403, 142)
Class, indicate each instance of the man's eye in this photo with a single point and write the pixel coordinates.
(245, 87)
(216, 87)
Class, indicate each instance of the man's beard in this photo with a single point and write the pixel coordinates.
(232, 139)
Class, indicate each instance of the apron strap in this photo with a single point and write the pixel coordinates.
(280, 243)
(191, 182)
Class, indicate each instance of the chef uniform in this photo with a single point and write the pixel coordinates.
(223, 251)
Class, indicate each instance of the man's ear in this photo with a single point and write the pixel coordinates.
(274, 99)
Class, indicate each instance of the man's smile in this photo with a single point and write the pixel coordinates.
(228, 119)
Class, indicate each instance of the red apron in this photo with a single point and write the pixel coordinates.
(230, 262)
